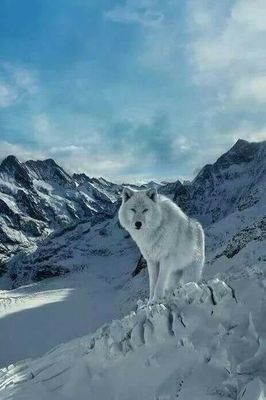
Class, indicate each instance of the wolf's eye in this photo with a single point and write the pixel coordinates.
(146, 209)
(133, 209)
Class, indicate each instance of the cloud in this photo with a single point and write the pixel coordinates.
(16, 83)
(182, 144)
(228, 44)
(74, 158)
(249, 131)
(250, 89)
(24, 78)
(21, 151)
(227, 57)
(43, 129)
(251, 14)
(8, 95)
(143, 12)
(158, 46)
(66, 150)
(124, 150)
(113, 151)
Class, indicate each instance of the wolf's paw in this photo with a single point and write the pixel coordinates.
(152, 302)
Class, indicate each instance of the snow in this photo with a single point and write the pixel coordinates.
(199, 343)
(9, 201)
(9, 183)
(36, 317)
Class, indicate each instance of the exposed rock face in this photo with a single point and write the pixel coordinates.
(12, 168)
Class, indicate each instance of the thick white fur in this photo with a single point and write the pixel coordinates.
(171, 242)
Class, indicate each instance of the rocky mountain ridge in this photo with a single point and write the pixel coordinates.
(61, 208)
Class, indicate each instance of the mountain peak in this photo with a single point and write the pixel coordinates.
(50, 161)
(49, 170)
(241, 152)
(11, 167)
(10, 160)
(240, 142)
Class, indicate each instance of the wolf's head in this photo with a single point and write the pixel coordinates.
(139, 210)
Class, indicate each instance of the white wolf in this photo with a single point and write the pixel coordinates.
(171, 242)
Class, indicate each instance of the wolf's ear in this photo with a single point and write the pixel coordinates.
(126, 194)
(152, 194)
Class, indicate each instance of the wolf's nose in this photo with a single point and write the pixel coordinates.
(138, 224)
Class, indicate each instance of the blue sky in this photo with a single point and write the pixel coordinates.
(131, 89)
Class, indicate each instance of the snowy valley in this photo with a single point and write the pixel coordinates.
(73, 286)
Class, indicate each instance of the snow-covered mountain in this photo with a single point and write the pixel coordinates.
(39, 197)
(231, 190)
(235, 182)
(203, 342)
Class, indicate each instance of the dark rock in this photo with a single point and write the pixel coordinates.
(49, 272)
(140, 266)
(11, 167)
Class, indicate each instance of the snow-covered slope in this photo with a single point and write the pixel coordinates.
(201, 343)
(38, 316)
(101, 257)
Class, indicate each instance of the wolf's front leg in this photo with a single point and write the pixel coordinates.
(162, 280)
(153, 269)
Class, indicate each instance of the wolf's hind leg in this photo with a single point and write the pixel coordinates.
(193, 272)
(173, 280)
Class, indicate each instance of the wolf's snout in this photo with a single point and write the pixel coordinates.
(138, 224)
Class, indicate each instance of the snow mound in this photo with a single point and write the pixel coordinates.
(199, 343)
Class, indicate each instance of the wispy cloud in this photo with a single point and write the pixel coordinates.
(250, 89)
(22, 151)
(24, 78)
(249, 131)
(8, 95)
(16, 82)
(228, 47)
(143, 12)
(227, 57)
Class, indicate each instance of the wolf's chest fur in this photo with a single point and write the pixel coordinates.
(155, 245)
